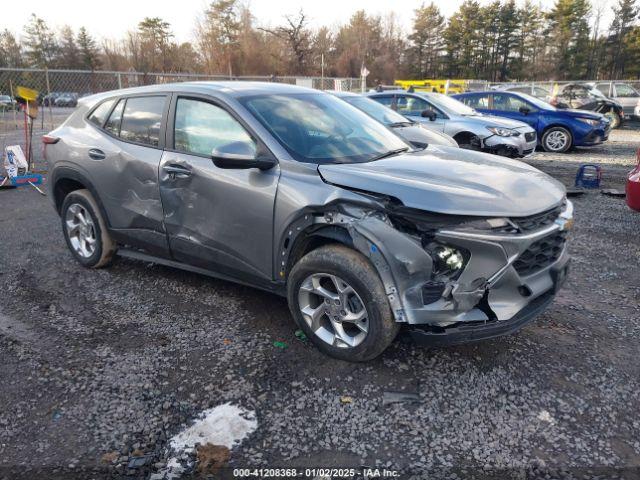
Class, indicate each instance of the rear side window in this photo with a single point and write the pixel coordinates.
(115, 119)
(200, 127)
(141, 120)
(476, 101)
(99, 115)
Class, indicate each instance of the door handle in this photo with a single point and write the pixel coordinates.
(177, 171)
(97, 154)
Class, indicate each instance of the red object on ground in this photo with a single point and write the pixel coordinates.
(633, 186)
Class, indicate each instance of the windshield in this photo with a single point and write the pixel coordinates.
(376, 110)
(320, 128)
(450, 105)
(535, 101)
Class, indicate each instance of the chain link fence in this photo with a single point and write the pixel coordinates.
(60, 90)
(63, 88)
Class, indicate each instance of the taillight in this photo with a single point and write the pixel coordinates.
(50, 139)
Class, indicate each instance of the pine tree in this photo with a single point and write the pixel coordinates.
(69, 52)
(89, 55)
(568, 31)
(426, 42)
(40, 45)
(625, 15)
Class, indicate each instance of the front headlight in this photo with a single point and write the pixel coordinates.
(503, 132)
(590, 121)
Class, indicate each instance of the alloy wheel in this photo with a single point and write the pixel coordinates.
(80, 230)
(333, 310)
(557, 140)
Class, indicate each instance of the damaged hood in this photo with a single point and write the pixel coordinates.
(453, 181)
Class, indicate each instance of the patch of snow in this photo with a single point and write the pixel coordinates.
(225, 424)
(545, 416)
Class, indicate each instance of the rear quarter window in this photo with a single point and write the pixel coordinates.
(99, 114)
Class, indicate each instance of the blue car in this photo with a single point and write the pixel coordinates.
(558, 130)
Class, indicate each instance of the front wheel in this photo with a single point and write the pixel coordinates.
(557, 140)
(338, 300)
(614, 119)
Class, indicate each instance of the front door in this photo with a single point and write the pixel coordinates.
(511, 106)
(412, 106)
(218, 219)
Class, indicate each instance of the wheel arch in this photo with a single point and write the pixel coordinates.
(65, 180)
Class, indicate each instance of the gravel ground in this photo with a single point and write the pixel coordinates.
(96, 365)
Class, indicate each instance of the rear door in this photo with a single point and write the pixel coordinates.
(123, 161)
(218, 219)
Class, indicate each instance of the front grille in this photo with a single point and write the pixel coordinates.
(530, 136)
(541, 254)
(537, 221)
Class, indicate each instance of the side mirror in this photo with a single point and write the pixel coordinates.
(430, 114)
(524, 110)
(239, 155)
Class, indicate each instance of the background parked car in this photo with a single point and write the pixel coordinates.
(469, 128)
(624, 94)
(585, 96)
(48, 100)
(7, 103)
(557, 129)
(411, 131)
(530, 89)
(66, 100)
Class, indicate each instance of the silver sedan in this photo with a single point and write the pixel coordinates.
(469, 128)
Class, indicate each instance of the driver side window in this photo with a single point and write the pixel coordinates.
(200, 127)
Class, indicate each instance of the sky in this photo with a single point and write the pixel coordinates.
(112, 18)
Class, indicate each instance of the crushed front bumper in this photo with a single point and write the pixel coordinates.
(507, 281)
(523, 145)
(484, 330)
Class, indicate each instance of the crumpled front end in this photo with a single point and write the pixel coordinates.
(455, 279)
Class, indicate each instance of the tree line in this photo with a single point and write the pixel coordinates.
(500, 41)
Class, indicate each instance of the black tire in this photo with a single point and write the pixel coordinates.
(614, 119)
(104, 247)
(549, 135)
(359, 273)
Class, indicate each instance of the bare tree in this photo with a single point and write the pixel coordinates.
(297, 37)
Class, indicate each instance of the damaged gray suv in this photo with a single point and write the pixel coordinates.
(295, 191)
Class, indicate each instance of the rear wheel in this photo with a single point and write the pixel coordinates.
(85, 230)
(557, 140)
(338, 300)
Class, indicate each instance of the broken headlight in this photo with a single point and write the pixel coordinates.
(448, 261)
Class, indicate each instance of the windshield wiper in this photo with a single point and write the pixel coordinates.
(390, 153)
